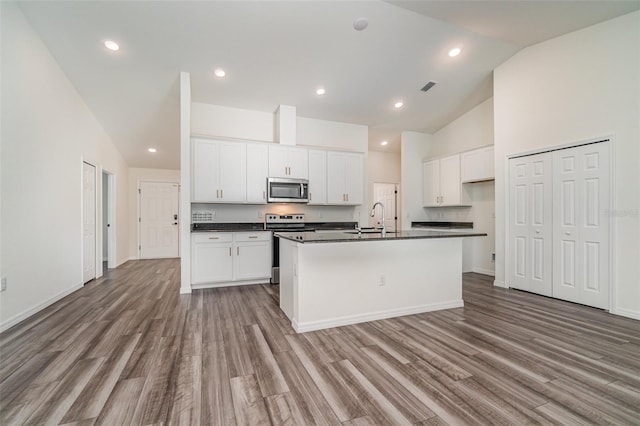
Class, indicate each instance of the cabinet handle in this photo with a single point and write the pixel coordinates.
(214, 238)
(217, 193)
(347, 197)
(310, 197)
(264, 195)
(229, 251)
(221, 194)
(238, 251)
(253, 236)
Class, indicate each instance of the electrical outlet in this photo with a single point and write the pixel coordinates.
(260, 214)
(382, 281)
(3, 286)
(493, 257)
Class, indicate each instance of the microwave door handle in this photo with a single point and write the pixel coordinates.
(302, 190)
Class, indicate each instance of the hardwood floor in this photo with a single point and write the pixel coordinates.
(128, 349)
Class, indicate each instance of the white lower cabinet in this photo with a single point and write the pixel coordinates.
(230, 258)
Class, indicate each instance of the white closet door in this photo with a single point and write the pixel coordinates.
(530, 223)
(581, 226)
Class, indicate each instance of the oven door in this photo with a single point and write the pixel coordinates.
(281, 190)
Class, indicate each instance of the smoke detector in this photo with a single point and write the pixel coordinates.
(360, 24)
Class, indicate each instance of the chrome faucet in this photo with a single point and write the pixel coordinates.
(373, 213)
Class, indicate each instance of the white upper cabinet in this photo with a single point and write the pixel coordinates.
(344, 178)
(477, 165)
(317, 177)
(288, 162)
(219, 172)
(257, 173)
(441, 183)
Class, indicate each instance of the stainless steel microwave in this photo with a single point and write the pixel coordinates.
(283, 190)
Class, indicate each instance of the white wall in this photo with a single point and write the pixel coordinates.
(47, 131)
(137, 175)
(576, 87)
(414, 147)
(227, 122)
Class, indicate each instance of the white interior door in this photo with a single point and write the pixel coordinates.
(386, 194)
(530, 223)
(159, 219)
(88, 222)
(581, 226)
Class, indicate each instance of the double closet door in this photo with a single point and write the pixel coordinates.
(558, 224)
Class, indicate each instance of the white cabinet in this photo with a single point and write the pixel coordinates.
(317, 177)
(218, 172)
(252, 255)
(441, 183)
(230, 257)
(477, 165)
(288, 162)
(344, 178)
(211, 257)
(257, 173)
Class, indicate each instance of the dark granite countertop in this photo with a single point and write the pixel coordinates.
(227, 227)
(345, 237)
(444, 225)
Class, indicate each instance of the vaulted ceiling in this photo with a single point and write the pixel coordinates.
(280, 52)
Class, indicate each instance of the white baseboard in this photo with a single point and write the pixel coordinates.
(500, 284)
(185, 290)
(373, 316)
(628, 313)
(484, 271)
(229, 284)
(40, 306)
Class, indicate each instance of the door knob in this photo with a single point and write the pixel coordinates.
(567, 233)
(537, 231)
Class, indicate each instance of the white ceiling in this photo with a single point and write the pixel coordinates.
(279, 52)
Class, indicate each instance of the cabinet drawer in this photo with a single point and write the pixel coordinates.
(212, 237)
(252, 236)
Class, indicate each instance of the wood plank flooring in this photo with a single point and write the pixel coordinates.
(128, 349)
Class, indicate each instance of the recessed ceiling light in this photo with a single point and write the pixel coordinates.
(219, 72)
(360, 24)
(383, 143)
(455, 51)
(111, 45)
(320, 91)
(398, 104)
(152, 150)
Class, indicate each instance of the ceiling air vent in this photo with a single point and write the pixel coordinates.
(428, 86)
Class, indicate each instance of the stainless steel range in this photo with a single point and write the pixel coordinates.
(282, 223)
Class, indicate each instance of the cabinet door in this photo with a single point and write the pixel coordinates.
(278, 166)
(232, 166)
(450, 185)
(317, 177)
(431, 183)
(298, 162)
(252, 260)
(477, 165)
(336, 192)
(204, 187)
(211, 262)
(257, 172)
(353, 178)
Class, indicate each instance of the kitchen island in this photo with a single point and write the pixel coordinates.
(334, 279)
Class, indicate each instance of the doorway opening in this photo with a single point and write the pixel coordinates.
(387, 194)
(88, 222)
(108, 220)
